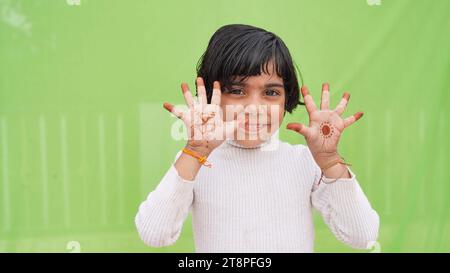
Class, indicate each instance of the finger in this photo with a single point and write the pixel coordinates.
(299, 128)
(342, 104)
(309, 102)
(231, 127)
(215, 99)
(325, 101)
(201, 92)
(174, 110)
(187, 95)
(350, 120)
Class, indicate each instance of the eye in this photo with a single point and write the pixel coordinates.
(235, 91)
(272, 92)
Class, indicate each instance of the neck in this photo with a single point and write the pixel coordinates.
(272, 139)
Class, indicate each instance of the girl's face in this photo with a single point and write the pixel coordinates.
(258, 99)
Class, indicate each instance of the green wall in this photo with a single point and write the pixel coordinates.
(84, 139)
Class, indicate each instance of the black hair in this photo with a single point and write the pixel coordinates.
(242, 51)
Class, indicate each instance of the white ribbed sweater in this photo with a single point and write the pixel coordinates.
(256, 200)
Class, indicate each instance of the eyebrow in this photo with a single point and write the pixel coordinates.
(270, 84)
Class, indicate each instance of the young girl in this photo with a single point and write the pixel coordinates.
(247, 190)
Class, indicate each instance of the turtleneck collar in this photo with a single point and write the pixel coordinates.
(272, 140)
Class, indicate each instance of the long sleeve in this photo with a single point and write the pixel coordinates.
(256, 200)
(346, 210)
(161, 216)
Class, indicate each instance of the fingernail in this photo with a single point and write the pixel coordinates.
(304, 90)
(166, 106)
(184, 87)
(200, 81)
(346, 96)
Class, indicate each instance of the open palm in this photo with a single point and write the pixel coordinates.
(325, 125)
(204, 123)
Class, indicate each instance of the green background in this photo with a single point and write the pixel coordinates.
(84, 139)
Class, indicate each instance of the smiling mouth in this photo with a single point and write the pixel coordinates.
(254, 127)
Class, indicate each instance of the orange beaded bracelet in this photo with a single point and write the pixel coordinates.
(201, 159)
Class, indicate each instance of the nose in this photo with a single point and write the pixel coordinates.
(256, 113)
(255, 109)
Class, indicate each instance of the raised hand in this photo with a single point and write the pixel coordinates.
(204, 123)
(325, 125)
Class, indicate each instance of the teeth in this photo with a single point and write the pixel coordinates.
(253, 127)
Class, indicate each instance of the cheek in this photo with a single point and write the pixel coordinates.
(279, 115)
(280, 109)
(276, 114)
(229, 110)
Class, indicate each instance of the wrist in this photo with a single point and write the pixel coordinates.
(199, 155)
(336, 171)
(200, 150)
(327, 160)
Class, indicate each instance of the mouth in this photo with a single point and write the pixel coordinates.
(254, 127)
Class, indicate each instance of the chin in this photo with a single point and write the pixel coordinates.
(249, 143)
(252, 139)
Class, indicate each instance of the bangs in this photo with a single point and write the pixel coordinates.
(252, 58)
(237, 52)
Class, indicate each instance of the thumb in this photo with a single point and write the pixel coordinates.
(299, 128)
(174, 110)
(231, 127)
